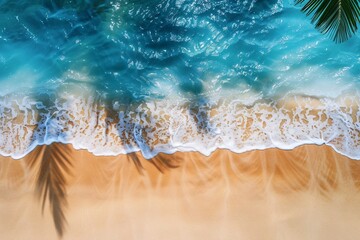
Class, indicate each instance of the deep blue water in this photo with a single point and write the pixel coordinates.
(136, 50)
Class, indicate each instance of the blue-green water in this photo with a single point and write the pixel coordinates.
(126, 56)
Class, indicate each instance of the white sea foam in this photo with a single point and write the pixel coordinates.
(168, 126)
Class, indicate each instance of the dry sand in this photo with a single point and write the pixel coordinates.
(310, 192)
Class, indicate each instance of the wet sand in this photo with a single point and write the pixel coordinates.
(310, 192)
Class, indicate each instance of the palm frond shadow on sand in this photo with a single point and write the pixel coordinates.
(131, 138)
(52, 166)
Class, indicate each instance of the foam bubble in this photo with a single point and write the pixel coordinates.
(169, 126)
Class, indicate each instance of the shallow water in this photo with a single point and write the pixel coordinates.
(166, 76)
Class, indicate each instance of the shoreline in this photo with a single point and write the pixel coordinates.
(184, 150)
(167, 162)
(156, 127)
(187, 195)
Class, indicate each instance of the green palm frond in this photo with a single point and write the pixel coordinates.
(338, 18)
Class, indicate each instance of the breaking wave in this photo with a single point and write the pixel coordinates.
(168, 126)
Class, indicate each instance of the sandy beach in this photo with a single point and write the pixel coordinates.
(310, 192)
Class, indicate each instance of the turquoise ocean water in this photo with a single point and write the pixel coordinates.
(173, 75)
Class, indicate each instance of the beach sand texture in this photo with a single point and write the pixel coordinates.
(310, 192)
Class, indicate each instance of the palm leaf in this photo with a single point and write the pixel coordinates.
(337, 18)
(53, 163)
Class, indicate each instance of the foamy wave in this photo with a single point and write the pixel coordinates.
(166, 126)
